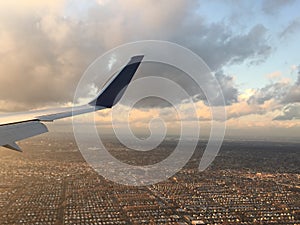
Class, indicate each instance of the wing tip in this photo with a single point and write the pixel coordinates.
(136, 58)
(13, 146)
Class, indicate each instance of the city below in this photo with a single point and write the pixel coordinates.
(248, 183)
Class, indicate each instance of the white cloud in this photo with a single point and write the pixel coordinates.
(289, 112)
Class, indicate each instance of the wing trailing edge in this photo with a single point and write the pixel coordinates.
(19, 131)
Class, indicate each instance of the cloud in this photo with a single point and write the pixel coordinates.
(289, 112)
(280, 95)
(276, 91)
(272, 7)
(41, 63)
(46, 46)
(229, 91)
(184, 82)
(218, 45)
(243, 108)
(283, 95)
(274, 75)
(293, 94)
(290, 29)
(282, 91)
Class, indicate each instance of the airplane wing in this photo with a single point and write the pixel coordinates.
(18, 126)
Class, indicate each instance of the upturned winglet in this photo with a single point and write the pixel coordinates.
(115, 88)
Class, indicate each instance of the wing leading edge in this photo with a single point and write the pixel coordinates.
(18, 126)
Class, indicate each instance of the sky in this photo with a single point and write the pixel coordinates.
(252, 47)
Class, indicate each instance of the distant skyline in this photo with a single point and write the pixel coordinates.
(252, 47)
